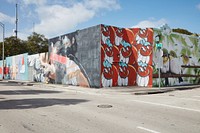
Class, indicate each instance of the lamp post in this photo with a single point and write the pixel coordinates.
(3, 26)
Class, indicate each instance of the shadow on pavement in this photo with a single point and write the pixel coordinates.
(27, 92)
(9, 84)
(37, 103)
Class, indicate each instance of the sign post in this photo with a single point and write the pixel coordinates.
(159, 46)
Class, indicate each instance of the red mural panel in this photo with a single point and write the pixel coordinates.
(126, 56)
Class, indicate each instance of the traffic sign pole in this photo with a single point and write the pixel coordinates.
(159, 69)
(159, 46)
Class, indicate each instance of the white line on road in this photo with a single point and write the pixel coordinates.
(196, 96)
(190, 99)
(146, 129)
(165, 105)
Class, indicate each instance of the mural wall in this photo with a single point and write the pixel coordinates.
(75, 57)
(16, 67)
(1, 69)
(126, 56)
(40, 69)
(105, 56)
(180, 58)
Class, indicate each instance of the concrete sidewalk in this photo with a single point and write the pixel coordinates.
(133, 90)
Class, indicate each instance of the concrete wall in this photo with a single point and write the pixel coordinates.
(16, 67)
(88, 53)
(126, 56)
(76, 57)
(181, 58)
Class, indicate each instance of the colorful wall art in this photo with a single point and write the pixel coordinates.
(180, 58)
(76, 57)
(40, 70)
(1, 69)
(126, 56)
(16, 67)
(108, 56)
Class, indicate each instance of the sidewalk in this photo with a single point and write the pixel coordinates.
(134, 90)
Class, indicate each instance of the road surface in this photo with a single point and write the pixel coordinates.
(59, 109)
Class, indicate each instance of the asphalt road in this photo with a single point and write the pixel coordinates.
(58, 109)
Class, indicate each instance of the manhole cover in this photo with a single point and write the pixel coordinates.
(105, 106)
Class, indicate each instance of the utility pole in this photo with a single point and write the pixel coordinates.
(3, 26)
(16, 22)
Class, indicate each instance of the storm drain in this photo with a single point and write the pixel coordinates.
(104, 106)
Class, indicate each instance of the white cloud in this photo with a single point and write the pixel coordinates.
(198, 6)
(6, 18)
(58, 19)
(152, 23)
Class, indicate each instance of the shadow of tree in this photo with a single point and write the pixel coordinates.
(27, 92)
(37, 103)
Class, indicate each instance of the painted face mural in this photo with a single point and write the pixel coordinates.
(144, 41)
(126, 56)
(68, 69)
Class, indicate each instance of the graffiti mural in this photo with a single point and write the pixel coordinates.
(126, 56)
(1, 69)
(16, 67)
(68, 70)
(40, 69)
(180, 58)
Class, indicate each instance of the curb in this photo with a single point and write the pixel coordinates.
(153, 92)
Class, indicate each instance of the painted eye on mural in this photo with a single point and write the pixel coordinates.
(125, 44)
(107, 64)
(122, 64)
(108, 43)
(142, 64)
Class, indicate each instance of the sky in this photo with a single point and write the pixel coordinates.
(57, 17)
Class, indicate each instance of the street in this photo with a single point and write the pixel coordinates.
(69, 109)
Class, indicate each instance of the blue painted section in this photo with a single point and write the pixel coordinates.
(17, 67)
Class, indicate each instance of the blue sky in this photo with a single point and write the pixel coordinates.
(56, 17)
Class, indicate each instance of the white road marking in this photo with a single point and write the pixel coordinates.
(196, 96)
(146, 129)
(190, 99)
(165, 105)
